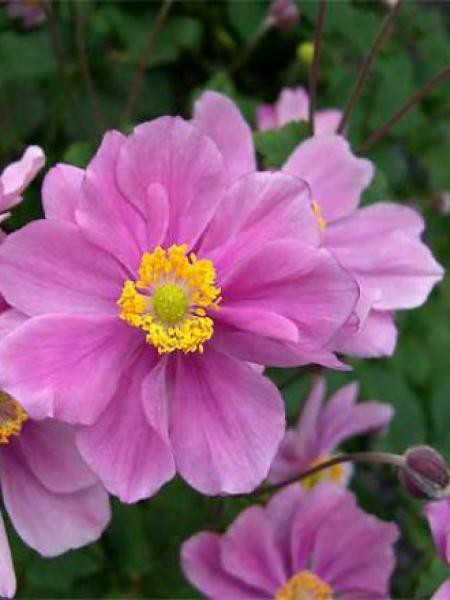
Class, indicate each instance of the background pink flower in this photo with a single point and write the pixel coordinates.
(268, 552)
(17, 176)
(438, 515)
(322, 428)
(30, 12)
(148, 412)
(380, 245)
(293, 105)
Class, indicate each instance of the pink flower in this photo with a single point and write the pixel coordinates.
(316, 544)
(17, 176)
(30, 12)
(292, 105)
(438, 515)
(53, 500)
(283, 13)
(321, 429)
(160, 272)
(380, 245)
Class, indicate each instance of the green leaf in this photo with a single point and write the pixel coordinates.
(25, 57)
(276, 145)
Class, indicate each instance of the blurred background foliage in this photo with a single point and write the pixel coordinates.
(138, 555)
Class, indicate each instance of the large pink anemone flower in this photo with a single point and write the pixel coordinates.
(317, 545)
(159, 273)
(380, 245)
(321, 429)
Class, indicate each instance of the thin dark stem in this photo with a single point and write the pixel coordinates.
(410, 104)
(314, 70)
(381, 458)
(58, 51)
(139, 75)
(250, 47)
(83, 60)
(366, 64)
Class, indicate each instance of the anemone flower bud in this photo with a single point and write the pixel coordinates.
(425, 474)
(283, 13)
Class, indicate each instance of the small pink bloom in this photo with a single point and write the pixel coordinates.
(17, 176)
(438, 515)
(283, 13)
(293, 105)
(321, 429)
(30, 12)
(160, 272)
(380, 245)
(301, 543)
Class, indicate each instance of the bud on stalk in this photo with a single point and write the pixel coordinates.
(424, 474)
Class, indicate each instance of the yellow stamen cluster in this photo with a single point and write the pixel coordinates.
(334, 474)
(318, 214)
(12, 417)
(170, 298)
(305, 586)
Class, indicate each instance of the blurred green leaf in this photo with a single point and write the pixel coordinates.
(276, 145)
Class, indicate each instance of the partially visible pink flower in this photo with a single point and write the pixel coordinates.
(321, 429)
(159, 273)
(30, 12)
(292, 105)
(316, 544)
(283, 13)
(17, 176)
(380, 245)
(438, 515)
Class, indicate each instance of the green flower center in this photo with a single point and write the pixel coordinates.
(170, 303)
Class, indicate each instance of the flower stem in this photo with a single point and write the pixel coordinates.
(381, 458)
(314, 70)
(83, 60)
(365, 66)
(138, 78)
(399, 114)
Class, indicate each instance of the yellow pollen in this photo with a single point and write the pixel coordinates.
(305, 586)
(318, 214)
(171, 299)
(334, 474)
(12, 417)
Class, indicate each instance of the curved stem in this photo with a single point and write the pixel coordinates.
(410, 104)
(381, 458)
(314, 70)
(365, 66)
(83, 60)
(138, 78)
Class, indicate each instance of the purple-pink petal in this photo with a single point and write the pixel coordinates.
(61, 192)
(18, 175)
(238, 424)
(219, 118)
(7, 575)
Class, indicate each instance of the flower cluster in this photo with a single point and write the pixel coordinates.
(139, 314)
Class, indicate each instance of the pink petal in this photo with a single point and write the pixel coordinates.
(438, 515)
(201, 563)
(48, 522)
(326, 121)
(266, 117)
(377, 337)
(443, 593)
(250, 554)
(239, 422)
(258, 209)
(104, 214)
(219, 118)
(337, 177)
(49, 360)
(186, 163)
(7, 575)
(61, 192)
(131, 458)
(48, 449)
(393, 261)
(292, 105)
(18, 175)
(261, 322)
(48, 267)
(300, 282)
(9, 320)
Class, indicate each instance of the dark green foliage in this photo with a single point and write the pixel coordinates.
(138, 556)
